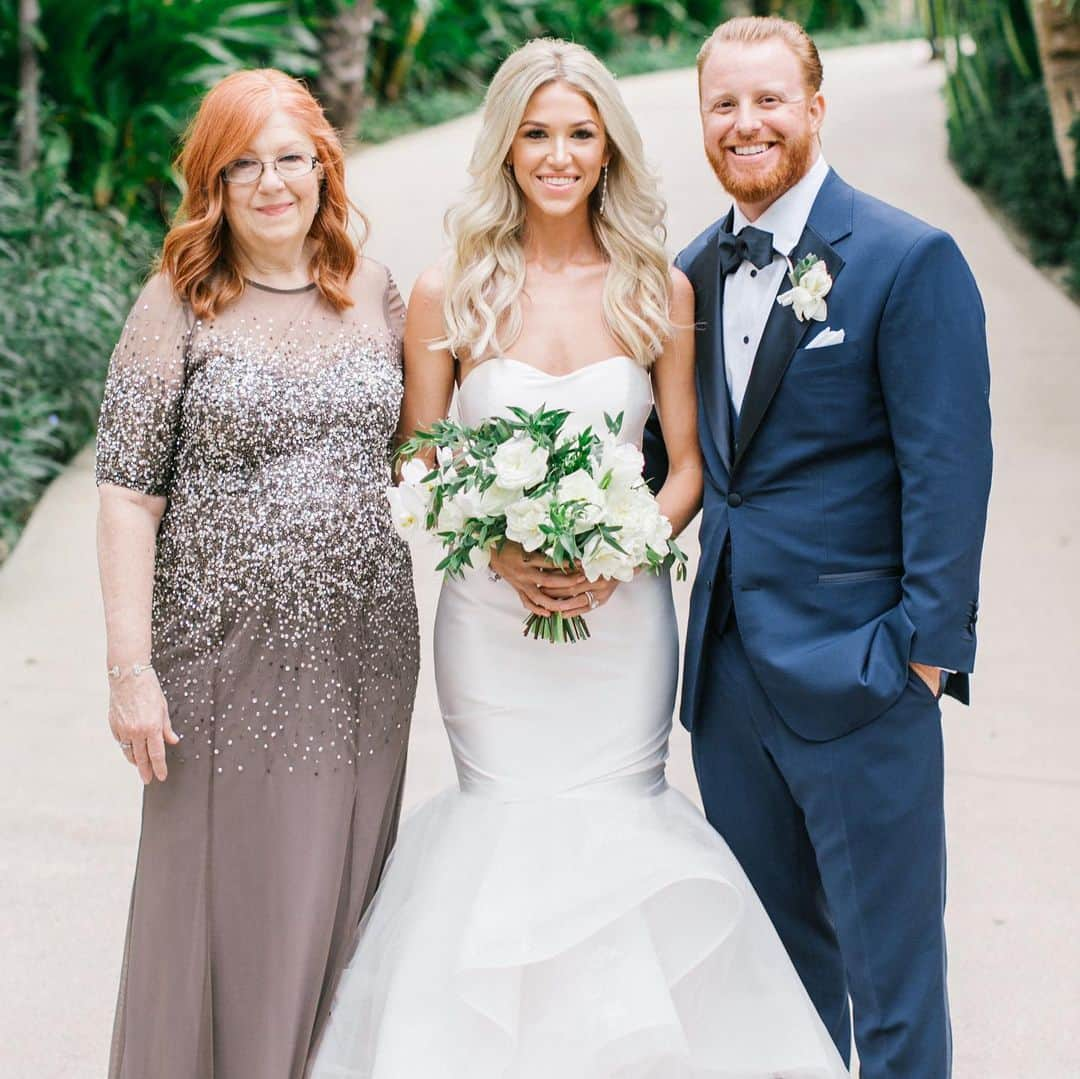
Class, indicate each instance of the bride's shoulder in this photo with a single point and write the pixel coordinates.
(430, 287)
(682, 292)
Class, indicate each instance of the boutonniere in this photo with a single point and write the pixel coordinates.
(811, 281)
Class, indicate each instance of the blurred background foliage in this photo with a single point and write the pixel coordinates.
(1001, 78)
(96, 95)
(119, 79)
(68, 273)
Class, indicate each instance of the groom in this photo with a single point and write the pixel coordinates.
(846, 434)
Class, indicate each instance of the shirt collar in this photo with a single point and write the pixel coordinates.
(786, 218)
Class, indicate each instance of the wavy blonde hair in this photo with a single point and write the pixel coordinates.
(486, 263)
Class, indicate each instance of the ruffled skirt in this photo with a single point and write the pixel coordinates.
(569, 937)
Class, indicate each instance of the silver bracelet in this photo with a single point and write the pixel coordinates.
(136, 669)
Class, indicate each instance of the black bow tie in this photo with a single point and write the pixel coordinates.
(751, 245)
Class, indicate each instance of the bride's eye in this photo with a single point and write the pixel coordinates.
(535, 133)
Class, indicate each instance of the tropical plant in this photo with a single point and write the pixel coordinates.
(68, 274)
(996, 102)
(1057, 30)
(121, 78)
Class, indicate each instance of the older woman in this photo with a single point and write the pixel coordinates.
(262, 636)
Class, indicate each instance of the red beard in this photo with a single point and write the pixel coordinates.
(793, 165)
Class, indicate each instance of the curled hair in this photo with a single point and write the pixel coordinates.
(753, 28)
(486, 266)
(197, 253)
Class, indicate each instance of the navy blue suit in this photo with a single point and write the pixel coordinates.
(841, 538)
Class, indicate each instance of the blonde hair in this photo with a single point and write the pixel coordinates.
(486, 262)
(749, 29)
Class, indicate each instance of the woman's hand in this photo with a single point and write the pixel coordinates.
(536, 579)
(139, 719)
(579, 593)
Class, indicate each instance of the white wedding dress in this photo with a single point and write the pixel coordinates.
(565, 914)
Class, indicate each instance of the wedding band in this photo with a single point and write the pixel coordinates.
(593, 604)
(125, 746)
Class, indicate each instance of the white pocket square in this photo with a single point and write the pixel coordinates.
(827, 337)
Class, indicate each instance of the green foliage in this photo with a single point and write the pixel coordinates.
(68, 274)
(121, 78)
(997, 105)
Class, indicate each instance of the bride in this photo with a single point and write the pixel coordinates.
(564, 914)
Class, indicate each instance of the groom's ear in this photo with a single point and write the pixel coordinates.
(817, 112)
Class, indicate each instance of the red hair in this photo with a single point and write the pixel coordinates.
(749, 29)
(197, 253)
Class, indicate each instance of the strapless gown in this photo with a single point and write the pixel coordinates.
(565, 914)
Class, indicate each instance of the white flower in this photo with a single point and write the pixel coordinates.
(579, 486)
(633, 509)
(519, 463)
(495, 499)
(602, 560)
(480, 557)
(623, 460)
(444, 455)
(408, 509)
(811, 286)
(523, 520)
(457, 510)
(657, 539)
(413, 472)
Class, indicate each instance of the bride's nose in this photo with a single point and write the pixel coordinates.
(559, 155)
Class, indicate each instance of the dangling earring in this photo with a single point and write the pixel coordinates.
(603, 191)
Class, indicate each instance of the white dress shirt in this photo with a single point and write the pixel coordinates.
(749, 293)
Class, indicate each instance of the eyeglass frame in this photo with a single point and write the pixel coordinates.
(315, 163)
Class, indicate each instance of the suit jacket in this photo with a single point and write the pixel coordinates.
(853, 492)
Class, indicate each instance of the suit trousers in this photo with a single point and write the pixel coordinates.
(844, 842)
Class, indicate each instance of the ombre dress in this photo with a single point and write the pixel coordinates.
(285, 640)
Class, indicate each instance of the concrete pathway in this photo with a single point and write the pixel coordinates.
(69, 805)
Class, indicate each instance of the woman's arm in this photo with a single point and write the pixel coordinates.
(675, 392)
(429, 373)
(138, 714)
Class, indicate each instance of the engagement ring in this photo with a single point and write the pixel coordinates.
(593, 602)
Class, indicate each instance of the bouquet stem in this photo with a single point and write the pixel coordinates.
(556, 628)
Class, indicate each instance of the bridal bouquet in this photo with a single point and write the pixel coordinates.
(577, 498)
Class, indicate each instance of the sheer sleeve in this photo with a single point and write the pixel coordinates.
(393, 306)
(140, 413)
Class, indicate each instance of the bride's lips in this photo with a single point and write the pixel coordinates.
(276, 210)
(555, 182)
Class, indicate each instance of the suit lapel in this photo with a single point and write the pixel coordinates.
(784, 333)
(712, 378)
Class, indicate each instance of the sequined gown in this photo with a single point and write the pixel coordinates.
(285, 640)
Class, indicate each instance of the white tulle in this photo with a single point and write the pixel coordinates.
(564, 914)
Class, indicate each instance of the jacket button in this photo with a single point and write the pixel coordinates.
(734, 499)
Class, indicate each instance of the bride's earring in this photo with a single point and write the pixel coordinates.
(603, 191)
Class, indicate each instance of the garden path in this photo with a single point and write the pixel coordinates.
(69, 805)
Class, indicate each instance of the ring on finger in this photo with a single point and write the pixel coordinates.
(593, 601)
(126, 746)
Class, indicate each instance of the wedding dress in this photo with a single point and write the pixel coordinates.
(565, 914)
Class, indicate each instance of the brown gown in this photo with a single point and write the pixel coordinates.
(285, 639)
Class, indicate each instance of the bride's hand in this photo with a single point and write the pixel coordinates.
(581, 596)
(535, 579)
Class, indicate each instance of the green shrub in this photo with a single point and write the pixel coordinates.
(121, 78)
(1000, 132)
(68, 274)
